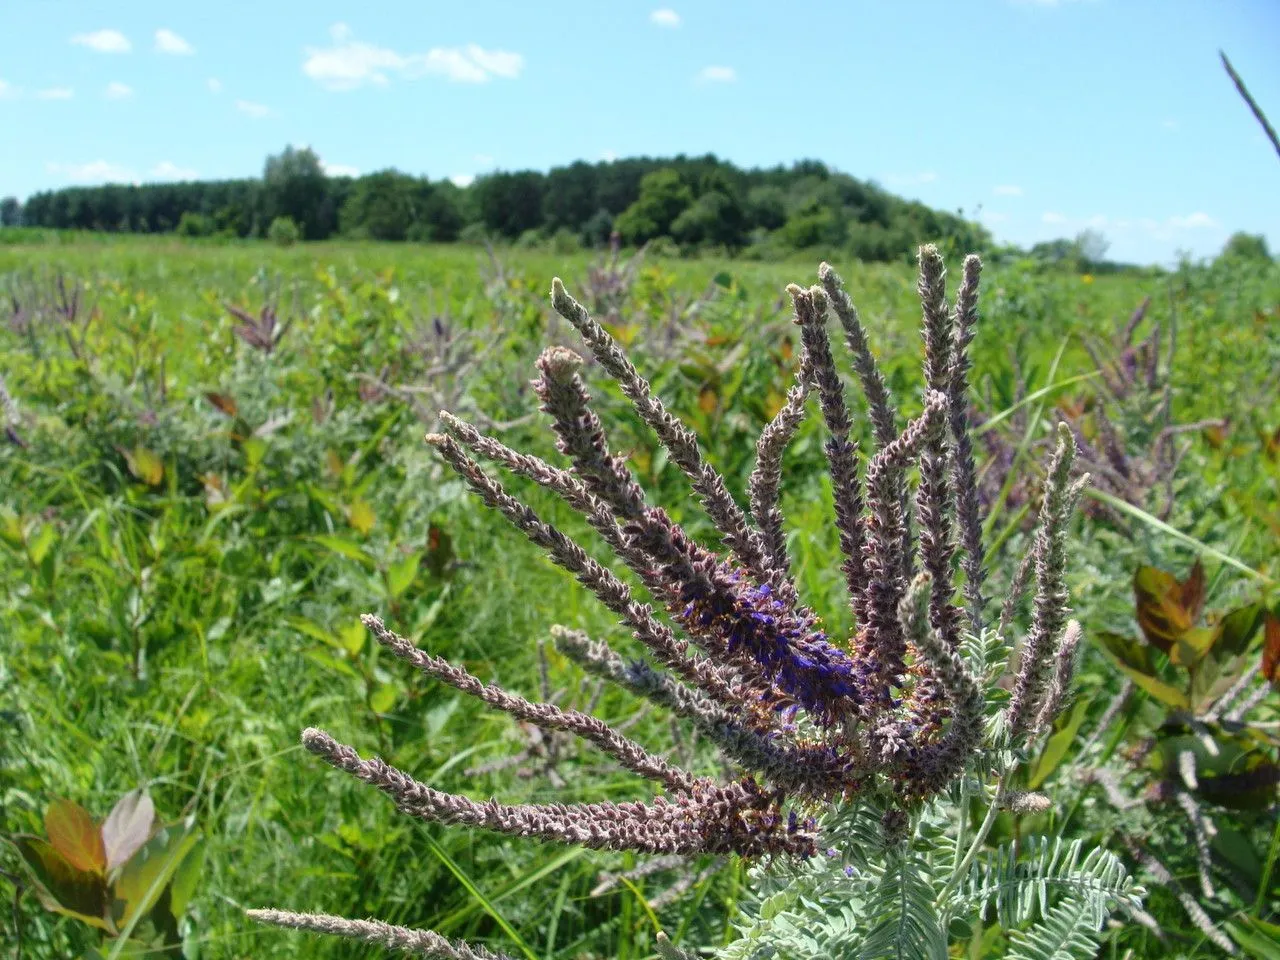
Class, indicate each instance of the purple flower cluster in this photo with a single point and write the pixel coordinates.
(801, 718)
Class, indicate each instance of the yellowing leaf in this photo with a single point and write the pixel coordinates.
(74, 835)
(773, 402)
(360, 515)
(145, 465)
(60, 887)
(707, 399)
(333, 463)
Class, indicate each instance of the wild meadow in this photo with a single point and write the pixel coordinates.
(215, 464)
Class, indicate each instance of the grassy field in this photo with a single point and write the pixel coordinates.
(192, 524)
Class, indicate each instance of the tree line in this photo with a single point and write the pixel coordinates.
(690, 202)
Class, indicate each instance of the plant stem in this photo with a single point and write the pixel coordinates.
(978, 839)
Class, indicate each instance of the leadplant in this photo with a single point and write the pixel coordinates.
(857, 760)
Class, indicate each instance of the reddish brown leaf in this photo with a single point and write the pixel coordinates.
(1166, 606)
(224, 402)
(1271, 649)
(75, 836)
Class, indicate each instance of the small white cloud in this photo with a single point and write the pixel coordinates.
(912, 179)
(117, 91)
(214, 85)
(351, 63)
(169, 42)
(55, 93)
(1171, 125)
(251, 109)
(993, 216)
(463, 179)
(95, 171)
(168, 170)
(665, 17)
(718, 74)
(1194, 221)
(1007, 190)
(608, 156)
(104, 41)
(7, 90)
(339, 170)
(483, 160)
(1051, 217)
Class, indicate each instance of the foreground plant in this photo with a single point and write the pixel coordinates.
(129, 877)
(859, 758)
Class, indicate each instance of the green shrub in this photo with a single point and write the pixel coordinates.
(283, 232)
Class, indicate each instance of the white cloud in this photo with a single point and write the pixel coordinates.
(168, 170)
(7, 90)
(351, 63)
(463, 179)
(1171, 125)
(718, 74)
(339, 170)
(117, 91)
(55, 93)
(993, 216)
(104, 41)
(95, 171)
(665, 17)
(1194, 221)
(1007, 190)
(912, 179)
(214, 85)
(169, 42)
(251, 109)
(1051, 217)
(608, 156)
(483, 160)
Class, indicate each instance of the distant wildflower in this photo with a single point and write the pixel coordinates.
(804, 717)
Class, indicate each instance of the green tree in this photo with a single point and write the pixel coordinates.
(510, 203)
(663, 197)
(294, 186)
(10, 212)
(715, 217)
(385, 206)
(1246, 246)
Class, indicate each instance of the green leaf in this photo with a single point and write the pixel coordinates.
(353, 637)
(1238, 628)
(1256, 942)
(185, 878)
(401, 574)
(39, 545)
(60, 887)
(384, 698)
(1055, 748)
(127, 827)
(145, 465)
(1167, 607)
(73, 834)
(255, 449)
(149, 871)
(345, 548)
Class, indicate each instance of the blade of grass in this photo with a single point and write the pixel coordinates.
(462, 877)
(1157, 524)
(1032, 426)
(1032, 397)
(644, 904)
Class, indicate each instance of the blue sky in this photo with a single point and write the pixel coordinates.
(1044, 117)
